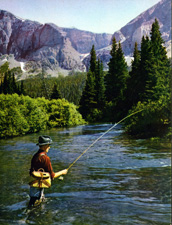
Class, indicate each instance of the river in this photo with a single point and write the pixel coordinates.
(119, 181)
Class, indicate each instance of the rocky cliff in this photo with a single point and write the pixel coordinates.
(48, 44)
(56, 48)
(141, 25)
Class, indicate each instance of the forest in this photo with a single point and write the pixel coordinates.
(96, 96)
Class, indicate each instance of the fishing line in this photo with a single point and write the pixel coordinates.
(101, 137)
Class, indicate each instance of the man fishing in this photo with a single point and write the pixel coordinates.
(41, 169)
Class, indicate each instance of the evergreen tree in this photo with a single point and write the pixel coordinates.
(110, 77)
(100, 86)
(21, 89)
(14, 85)
(158, 49)
(162, 63)
(3, 69)
(121, 75)
(116, 79)
(93, 60)
(55, 93)
(88, 98)
(5, 85)
(155, 91)
(87, 102)
(147, 69)
(10, 83)
(133, 83)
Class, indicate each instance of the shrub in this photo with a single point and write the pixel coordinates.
(154, 120)
(20, 115)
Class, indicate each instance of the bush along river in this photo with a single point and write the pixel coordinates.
(118, 181)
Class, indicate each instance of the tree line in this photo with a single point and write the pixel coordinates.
(146, 86)
(109, 96)
(8, 84)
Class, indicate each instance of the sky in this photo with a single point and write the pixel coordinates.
(98, 16)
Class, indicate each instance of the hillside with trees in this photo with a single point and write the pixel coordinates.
(99, 96)
(146, 87)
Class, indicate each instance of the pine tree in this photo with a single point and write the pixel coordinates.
(157, 42)
(87, 102)
(162, 63)
(1, 88)
(116, 79)
(5, 85)
(99, 86)
(133, 83)
(55, 93)
(110, 77)
(14, 85)
(88, 98)
(93, 60)
(122, 74)
(147, 69)
(21, 90)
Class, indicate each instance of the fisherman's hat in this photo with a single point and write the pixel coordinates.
(44, 140)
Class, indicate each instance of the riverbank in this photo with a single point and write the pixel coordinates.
(22, 115)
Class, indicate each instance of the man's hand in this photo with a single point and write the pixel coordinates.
(64, 172)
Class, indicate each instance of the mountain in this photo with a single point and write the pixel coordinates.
(141, 25)
(46, 45)
(57, 49)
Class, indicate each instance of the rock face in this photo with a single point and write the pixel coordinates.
(135, 29)
(53, 47)
(141, 25)
(49, 44)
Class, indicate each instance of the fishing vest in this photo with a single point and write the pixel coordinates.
(42, 179)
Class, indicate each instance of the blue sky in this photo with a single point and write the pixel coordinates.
(98, 16)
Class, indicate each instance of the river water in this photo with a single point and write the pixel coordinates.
(118, 181)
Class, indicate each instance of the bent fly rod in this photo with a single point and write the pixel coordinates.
(101, 137)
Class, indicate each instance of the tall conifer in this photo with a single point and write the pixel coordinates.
(55, 93)
(133, 83)
(99, 86)
(110, 77)
(162, 63)
(116, 79)
(87, 102)
(148, 70)
(93, 60)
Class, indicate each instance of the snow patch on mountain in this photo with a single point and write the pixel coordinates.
(22, 65)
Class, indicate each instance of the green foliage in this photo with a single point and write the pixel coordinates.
(116, 82)
(87, 102)
(100, 97)
(20, 115)
(55, 93)
(99, 86)
(62, 113)
(153, 87)
(116, 79)
(154, 120)
(8, 83)
(134, 82)
(70, 87)
(4, 68)
(92, 101)
(93, 60)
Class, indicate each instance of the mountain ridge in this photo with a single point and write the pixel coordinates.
(57, 49)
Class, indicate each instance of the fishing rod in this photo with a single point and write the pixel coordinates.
(101, 137)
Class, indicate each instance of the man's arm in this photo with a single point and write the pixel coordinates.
(62, 172)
